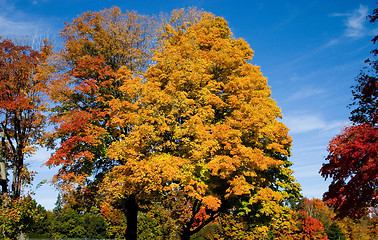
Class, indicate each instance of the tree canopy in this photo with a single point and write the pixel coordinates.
(202, 127)
(23, 85)
(352, 159)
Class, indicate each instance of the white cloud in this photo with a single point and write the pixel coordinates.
(16, 23)
(9, 27)
(302, 123)
(332, 42)
(355, 22)
(340, 15)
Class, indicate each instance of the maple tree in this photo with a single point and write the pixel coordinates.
(310, 228)
(23, 79)
(354, 185)
(206, 131)
(98, 47)
(352, 159)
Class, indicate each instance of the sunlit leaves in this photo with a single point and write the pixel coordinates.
(102, 51)
(24, 74)
(197, 132)
(203, 105)
(17, 216)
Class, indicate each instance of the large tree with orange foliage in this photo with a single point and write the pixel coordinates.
(204, 130)
(23, 81)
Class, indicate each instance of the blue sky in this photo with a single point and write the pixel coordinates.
(310, 51)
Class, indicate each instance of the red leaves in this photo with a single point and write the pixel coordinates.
(78, 126)
(354, 169)
(200, 217)
(311, 228)
(353, 155)
(17, 64)
(23, 76)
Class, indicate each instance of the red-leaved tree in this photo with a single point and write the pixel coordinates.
(352, 159)
(23, 77)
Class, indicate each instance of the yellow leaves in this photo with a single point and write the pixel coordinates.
(199, 127)
(29, 150)
(145, 178)
(211, 202)
(194, 189)
(238, 186)
(131, 86)
(270, 201)
(223, 166)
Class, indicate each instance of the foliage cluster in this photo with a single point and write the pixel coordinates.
(309, 219)
(25, 216)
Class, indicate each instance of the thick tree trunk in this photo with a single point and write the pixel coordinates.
(131, 208)
(185, 234)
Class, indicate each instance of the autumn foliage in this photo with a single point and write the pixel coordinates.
(23, 83)
(166, 128)
(202, 126)
(96, 46)
(357, 150)
(352, 159)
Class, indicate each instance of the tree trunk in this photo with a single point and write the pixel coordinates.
(3, 170)
(131, 208)
(18, 161)
(15, 180)
(185, 234)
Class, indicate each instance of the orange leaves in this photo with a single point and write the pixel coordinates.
(211, 202)
(144, 178)
(214, 109)
(311, 228)
(199, 127)
(23, 80)
(239, 186)
(223, 166)
(103, 33)
(20, 89)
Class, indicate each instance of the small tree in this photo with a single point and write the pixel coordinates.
(23, 78)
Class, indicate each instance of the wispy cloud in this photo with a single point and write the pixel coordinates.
(306, 92)
(10, 27)
(355, 22)
(302, 123)
(307, 171)
(16, 23)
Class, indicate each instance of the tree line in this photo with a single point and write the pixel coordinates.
(162, 128)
